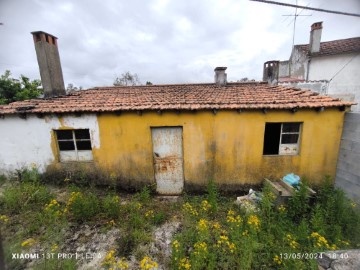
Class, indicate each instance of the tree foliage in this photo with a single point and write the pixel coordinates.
(18, 89)
(127, 79)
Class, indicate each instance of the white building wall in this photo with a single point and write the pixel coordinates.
(346, 84)
(27, 141)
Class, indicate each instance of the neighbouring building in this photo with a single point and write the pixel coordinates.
(177, 136)
(329, 68)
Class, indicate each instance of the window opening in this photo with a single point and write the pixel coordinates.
(74, 144)
(281, 138)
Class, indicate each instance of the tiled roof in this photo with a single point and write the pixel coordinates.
(290, 79)
(333, 47)
(177, 97)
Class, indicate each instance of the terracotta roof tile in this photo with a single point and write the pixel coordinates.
(177, 97)
(333, 47)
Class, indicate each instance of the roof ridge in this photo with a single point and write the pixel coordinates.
(167, 85)
(205, 96)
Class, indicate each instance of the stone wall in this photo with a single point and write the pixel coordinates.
(348, 167)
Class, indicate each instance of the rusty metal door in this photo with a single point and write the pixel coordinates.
(168, 159)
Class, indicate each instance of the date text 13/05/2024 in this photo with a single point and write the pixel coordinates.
(313, 256)
(59, 256)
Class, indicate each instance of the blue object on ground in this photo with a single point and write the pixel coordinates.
(292, 179)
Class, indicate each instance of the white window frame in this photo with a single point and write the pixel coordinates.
(74, 155)
(289, 148)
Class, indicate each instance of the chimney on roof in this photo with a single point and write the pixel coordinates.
(49, 64)
(271, 72)
(315, 37)
(220, 76)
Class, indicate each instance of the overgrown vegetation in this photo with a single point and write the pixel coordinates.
(268, 237)
(215, 232)
(18, 89)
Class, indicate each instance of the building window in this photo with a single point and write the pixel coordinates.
(281, 138)
(74, 145)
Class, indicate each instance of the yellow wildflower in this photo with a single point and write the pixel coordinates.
(54, 247)
(149, 214)
(200, 249)
(176, 244)
(232, 219)
(122, 264)
(320, 241)
(116, 199)
(202, 224)
(185, 264)
(254, 220)
(29, 242)
(205, 206)
(187, 207)
(217, 226)
(4, 218)
(138, 205)
(277, 259)
(148, 263)
(282, 208)
(111, 223)
(73, 197)
(292, 241)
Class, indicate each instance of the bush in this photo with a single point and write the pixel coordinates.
(111, 206)
(26, 195)
(82, 206)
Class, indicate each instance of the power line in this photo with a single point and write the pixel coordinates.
(310, 8)
(343, 67)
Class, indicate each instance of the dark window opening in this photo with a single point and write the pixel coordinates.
(82, 134)
(289, 138)
(291, 127)
(83, 145)
(64, 134)
(73, 140)
(272, 138)
(66, 145)
(281, 138)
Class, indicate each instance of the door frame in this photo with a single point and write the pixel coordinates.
(182, 152)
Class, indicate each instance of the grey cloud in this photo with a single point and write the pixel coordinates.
(98, 40)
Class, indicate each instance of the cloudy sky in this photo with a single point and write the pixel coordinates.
(163, 41)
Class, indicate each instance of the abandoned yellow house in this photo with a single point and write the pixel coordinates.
(176, 136)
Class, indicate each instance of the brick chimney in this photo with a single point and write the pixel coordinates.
(49, 64)
(271, 72)
(220, 76)
(315, 37)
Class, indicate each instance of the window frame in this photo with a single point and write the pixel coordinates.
(286, 145)
(76, 151)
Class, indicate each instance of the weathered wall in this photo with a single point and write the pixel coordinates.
(284, 69)
(226, 147)
(298, 64)
(348, 167)
(27, 141)
(316, 86)
(346, 81)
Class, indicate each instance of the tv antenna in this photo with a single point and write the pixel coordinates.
(296, 14)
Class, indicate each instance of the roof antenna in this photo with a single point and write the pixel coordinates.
(295, 17)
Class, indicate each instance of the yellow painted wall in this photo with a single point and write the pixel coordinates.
(226, 147)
